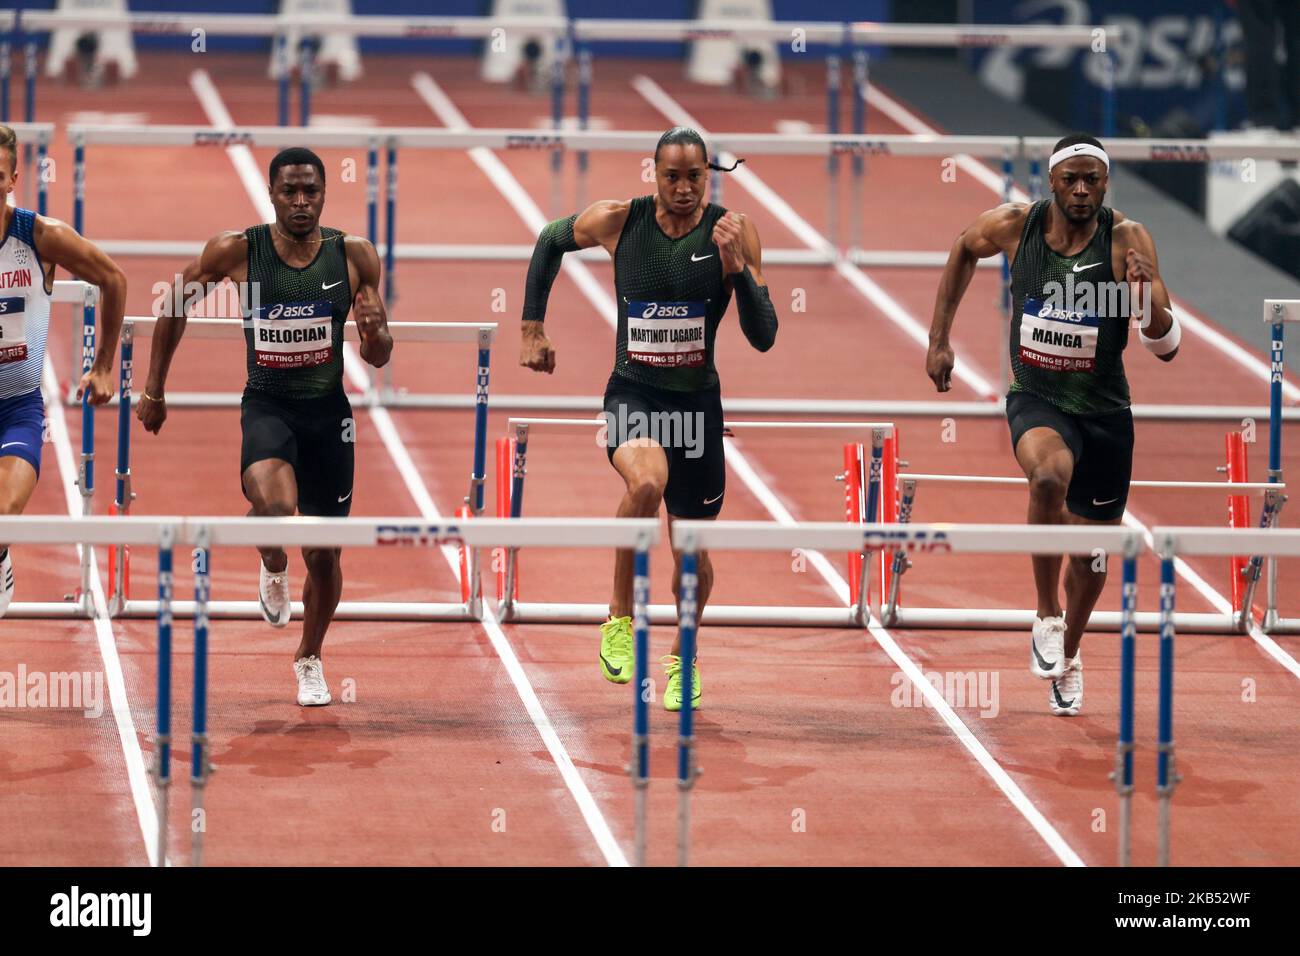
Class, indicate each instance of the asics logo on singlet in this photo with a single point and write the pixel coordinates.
(1048, 312)
(654, 310)
(282, 311)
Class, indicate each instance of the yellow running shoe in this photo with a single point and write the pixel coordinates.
(616, 650)
(673, 693)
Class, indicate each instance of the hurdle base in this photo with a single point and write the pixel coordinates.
(1282, 625)
(46, 609)
(1000, 619)
(347, 610)
(532, 612)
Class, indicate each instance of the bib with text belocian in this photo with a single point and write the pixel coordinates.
(293, 334)
(666, 334)
(1059, 340)
(13, 329)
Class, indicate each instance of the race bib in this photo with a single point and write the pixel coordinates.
(666, 334)
(1056, 339)
(293, 334)
(13, 329)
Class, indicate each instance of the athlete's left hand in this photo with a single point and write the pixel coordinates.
(1138, 268)
(367, 313)
(728, 233)
(98, 383)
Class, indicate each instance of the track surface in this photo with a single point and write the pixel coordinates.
(815, 749)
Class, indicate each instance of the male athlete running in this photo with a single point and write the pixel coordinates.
(677, 261)
(298, 431)
(1068, 407)
(31, 246)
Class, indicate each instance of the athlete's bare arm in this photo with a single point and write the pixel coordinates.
(993, 231)
(58, 244)
(1133, 255)
(368, 308)
(600, 224)
(225, 256)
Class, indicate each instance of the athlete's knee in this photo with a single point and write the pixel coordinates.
(271, 506)
(321, 562)
(1048, 485)
(646, 492)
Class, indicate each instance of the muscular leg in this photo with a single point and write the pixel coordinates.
(17, 482)
(643, 466)
(1083, 586)
(1048, 463)
(320, 597)
(272, 490)
(704, 571)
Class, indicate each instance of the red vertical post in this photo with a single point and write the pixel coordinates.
(888, 505)
(112, 558)
(463, 512)
(1238, 511)
(505, 468)
(853, 509)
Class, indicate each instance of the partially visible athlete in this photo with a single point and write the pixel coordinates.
(298, 431)
(677, 261)
(1068, 407)
(31, 246)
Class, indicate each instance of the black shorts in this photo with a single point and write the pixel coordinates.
(689, 427)
(314, 435)
(1102, 446)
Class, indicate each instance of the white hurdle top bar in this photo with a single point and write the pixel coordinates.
(929, 538)
(417, 137)
(269, 25)
(335, 532)
(401, 331)
(1180, 150)
(589, 422)
(1271, 542)
(1230, 486)
(979, 35)
(74, 291)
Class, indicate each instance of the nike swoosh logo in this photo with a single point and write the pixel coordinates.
(695, 258)
(331, 285)
(1039, 657)
(610, 667)
(345, 497)
(709, 501)
(1059, 702)
(1090, 265)
(1100, 503)
(8, 443)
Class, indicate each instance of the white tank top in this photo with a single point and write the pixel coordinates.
(24, 308)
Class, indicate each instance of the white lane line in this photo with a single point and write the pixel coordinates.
(356, 372)
(986, 176)
(657, 97)
(137, 774)
(740, 464)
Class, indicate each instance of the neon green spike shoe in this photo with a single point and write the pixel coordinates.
(673, 693)
(616, 650)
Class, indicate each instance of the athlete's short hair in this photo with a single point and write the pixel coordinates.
(9, 141)
(685, 136)
(1075, 139)
(296, 156)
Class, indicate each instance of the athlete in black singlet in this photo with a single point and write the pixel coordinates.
(1081, 276)
(677, 262)
(300, 282)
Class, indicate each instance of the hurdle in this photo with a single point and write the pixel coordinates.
(480, 334)
(692, 537)
(512, 455)
(203, 533)
(1171, 542)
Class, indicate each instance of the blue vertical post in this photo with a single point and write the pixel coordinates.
(199, 766)
(520, 469)
(79, 185)
(1166, 777)
(390, 228)
(1123, 774)
(1275, 405)
(372, 193)
(641, 693)
(123, 489)
(282, 71)
(42, 186)
(480, 418)
(872, 511)
(87, 410)
(162, 762)
(584, 102)
(29, 90)
(557, 100)
(306, 71)
(860, 80)
(1035, 178)
(1109, 100)
(686, 613)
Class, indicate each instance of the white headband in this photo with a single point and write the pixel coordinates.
(1078, 149)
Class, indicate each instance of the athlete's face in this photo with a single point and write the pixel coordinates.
(682, 176)
(298, 195)
(1079, 186)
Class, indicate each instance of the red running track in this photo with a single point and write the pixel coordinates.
(436, 756)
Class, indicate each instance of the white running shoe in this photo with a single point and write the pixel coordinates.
(1047, 648)
(6, 582)
(273, 590)
(312, 690)
(1066, 698)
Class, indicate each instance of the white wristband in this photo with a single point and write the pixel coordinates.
(1167, 342)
